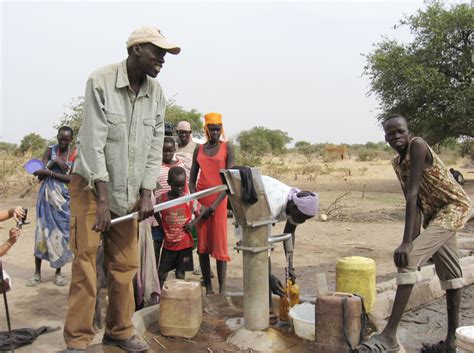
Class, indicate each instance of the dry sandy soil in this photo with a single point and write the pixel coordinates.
(368, 221)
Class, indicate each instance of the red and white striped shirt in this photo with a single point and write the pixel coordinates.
(163, 186)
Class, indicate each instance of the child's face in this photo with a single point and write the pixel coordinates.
(396, 134)
(177, 185)
(168, 152)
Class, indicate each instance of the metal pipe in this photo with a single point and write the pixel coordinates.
(278, 238)
(256, 284)
(174, 202)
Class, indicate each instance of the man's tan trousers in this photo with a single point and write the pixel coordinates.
(121, 257)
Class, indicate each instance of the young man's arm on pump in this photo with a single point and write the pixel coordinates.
(418, 154)
(417, 226)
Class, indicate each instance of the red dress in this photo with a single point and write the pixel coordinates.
(212, 232)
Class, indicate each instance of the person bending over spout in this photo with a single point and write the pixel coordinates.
(431, 191)
(294, 207)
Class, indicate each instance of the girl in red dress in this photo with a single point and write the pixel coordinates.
(208, 159)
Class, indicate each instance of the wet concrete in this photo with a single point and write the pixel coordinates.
(222, 316)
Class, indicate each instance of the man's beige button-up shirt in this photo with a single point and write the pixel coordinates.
(121, 137)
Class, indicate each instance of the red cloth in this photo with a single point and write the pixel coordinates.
(173, 220)
(212, 232)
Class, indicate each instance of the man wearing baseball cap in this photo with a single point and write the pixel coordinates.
(118, 159)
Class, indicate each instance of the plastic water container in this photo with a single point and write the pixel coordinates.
(303, 319)
(356, 274)
(180, 313)
(465, 339)
(290, 299)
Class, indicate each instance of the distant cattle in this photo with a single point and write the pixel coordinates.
(335, 152)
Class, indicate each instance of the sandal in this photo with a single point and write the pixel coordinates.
(33, 281)
(378, 344)
(439, 347)
(197, 271)
(60, 280)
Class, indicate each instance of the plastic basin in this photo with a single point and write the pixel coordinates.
(465, 339)
(303, 319)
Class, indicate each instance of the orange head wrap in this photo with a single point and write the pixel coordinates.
(210, 119)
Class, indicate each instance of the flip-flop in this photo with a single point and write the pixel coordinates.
(33, 281)
(436, 348)
(376, 344)
(60, 280)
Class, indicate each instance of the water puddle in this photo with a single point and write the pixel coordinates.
(222, 316)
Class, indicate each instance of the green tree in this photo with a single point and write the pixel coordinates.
(260, 140)
(72, 117)
(7, 147)
(174, 113)
(301, 144)
(467, 148)
(309, 151)
(254, 141)
(34, 143)
(278, 140)
(429, 80)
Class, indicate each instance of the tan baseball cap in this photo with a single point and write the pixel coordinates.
(150, 34)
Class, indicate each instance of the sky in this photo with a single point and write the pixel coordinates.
(293, 66)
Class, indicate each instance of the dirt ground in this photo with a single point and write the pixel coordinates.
(367, 221)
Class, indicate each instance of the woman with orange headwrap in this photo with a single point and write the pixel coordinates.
(209, 158)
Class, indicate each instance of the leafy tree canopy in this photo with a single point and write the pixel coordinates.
(429, 81)
(72, 117)
(174, 113)
(261, 140)
(34, 143)
(301, 144)
(8, 147)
